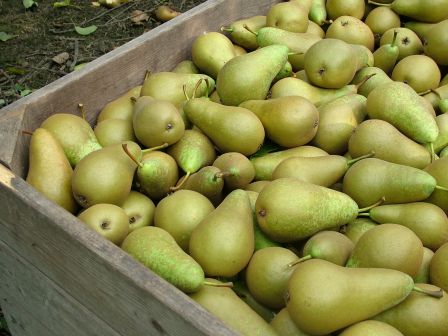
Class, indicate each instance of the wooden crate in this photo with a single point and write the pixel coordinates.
(57, 277)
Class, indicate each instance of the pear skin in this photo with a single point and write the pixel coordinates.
(284, 325)
(114, 131)
(422, 275)
(436, 43)
(140, 210)
(290, 16)
(243, 37)
(238, 170)
(186, 66)
(120, 108)
(438, 169)
(207, 181)
(407, 41)
(356, 228)
(438, 267)
(371, 328)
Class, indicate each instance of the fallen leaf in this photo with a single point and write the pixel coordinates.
(25, 92)
(85, 30)
(138, 17)
(29, 3)
(5, 37)
(64, 3)
(61, 58)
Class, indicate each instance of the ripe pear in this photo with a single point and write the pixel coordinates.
(320, 302)
(351, 30)
(315, 29)
(422, 29)
(156, 249)
(208, 181)
(187, 67)
(228, 307)
(337, 121)
(256, 186)
(438, 170)
(114, 131)
(289, 210)
(407, 41)
(180, 212)
(381, 19)
(388, 144)
(436, 43)
(74, 134)
(288, 121)
(290, 16)
(210, 51)
(140, 210)
(422, 275)
(239, 50)
(419, 9)
(223, 242)
(105, 175)
(398, 104)
(108, 220)
(419, 314)
(231, 128)
(265, 165)
(250, 76)
(242, 36)
(337, 8)
(378, 77)
(268, 273)
(238, 170)
(438, 267)
(371, 327)
(120, 108)
(49, 170)
(357, 227)
(318, 12)
(386, 55)
(284, 325)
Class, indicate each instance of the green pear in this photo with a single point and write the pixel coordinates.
(228, 307)
(250, 76)
(436, 95)
(444, 152)
(357, 227)
(422, 275)
(398, 104)
(321, 302)
(376, 77)
(140, 210)
(210, 51)
(422, 29)
(284, 325)
(169, 86)
(231, 128)
(351, 30)
(318, 12)
(256, 186)
(395, 183)
(388, 143)
(208, 181)
(436, 45)
(437, 170)
(363, 55)
(114, 131)
(265, 165)
(187, 67)
(443, 105)
(407, 41)
(223, 242)
(288, 121)
(156, 249)
(108, 220)
(391, 246)
(180, 212)
(74, 134)
(120, 108)
(419, 9)
(239, 50)
(426, 220)
(290, 16)
(238, 170)
(289, 210)
(315, 29)
(381, 19)
(371, 327)
(105, 175)
(242, 36)
(268, 273)
(386, 55)
(286, 71)
(444, 80)
(49, 170)
(337, 8)
(438, 267)
(419, 314)
(337, 121)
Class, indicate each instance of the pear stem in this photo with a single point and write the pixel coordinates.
(379, 4)
(245, 26)
(365, 79)
(196, 87)
(441, 188)
(424, 92)
(368, 155)
(436, 294)
(364, 214)
(147, 74)
(305, 258)
(184, 179)
(226, 29)
(213, 284)
(27, 132)
(295, 53)
(126, 150)
(382, 199)
(82, 110)
(184, 89)
(394, 39)
(327, 21)
(436, 92)
(208, 87)
(222, 174)
(431, 152)
(162, 146)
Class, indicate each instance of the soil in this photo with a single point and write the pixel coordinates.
(42, 32)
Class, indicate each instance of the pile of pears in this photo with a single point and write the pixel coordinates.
(291, 178)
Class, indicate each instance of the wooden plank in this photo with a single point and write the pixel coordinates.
(36, 300)
(124, 294)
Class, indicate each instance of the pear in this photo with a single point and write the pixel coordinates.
(394, 182)
(288, 121)
(223, 242)
(444, 152)
(422, 275)
(418, 71)
(291, 16)
(239, 50)
(363, 55)
(256, 186)
(318, 12)
(286, 71)
(437, 170)
(407, 41)
(371, 327)
(120, 108)
(208, 181)
(337, 8)
(265, 165)
(315, 29)
(422, 29)
(419, 9)
(398, 104)
(231, 128)
(386, 55)
(388, 143)
(140, 210)
(426, 220)
(156, 249)
(74, 134)
(351, 30)
(238, 170)
(250, 76)
(284, 325)
(391, 246)
(377, 78)
(320, 302)
(169, 86)
(357, 227)
(381, 19)
(108, 220)
(179, 214)
(438, 267)
(337, 121)
(419, 314)
(228, 307)
(114, 131)
(242, 36)
(289, 210)
(105, 175)
(165, 13)
(268, 273)
(210, 51)
(187, 67)
(437, 95)
(436, 44)
(49, 170)
(444, 80)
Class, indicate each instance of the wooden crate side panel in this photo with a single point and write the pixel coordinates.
(36, 300)
(124, 294)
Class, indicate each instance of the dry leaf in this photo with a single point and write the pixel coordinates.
(138, 17)
(61, 58)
